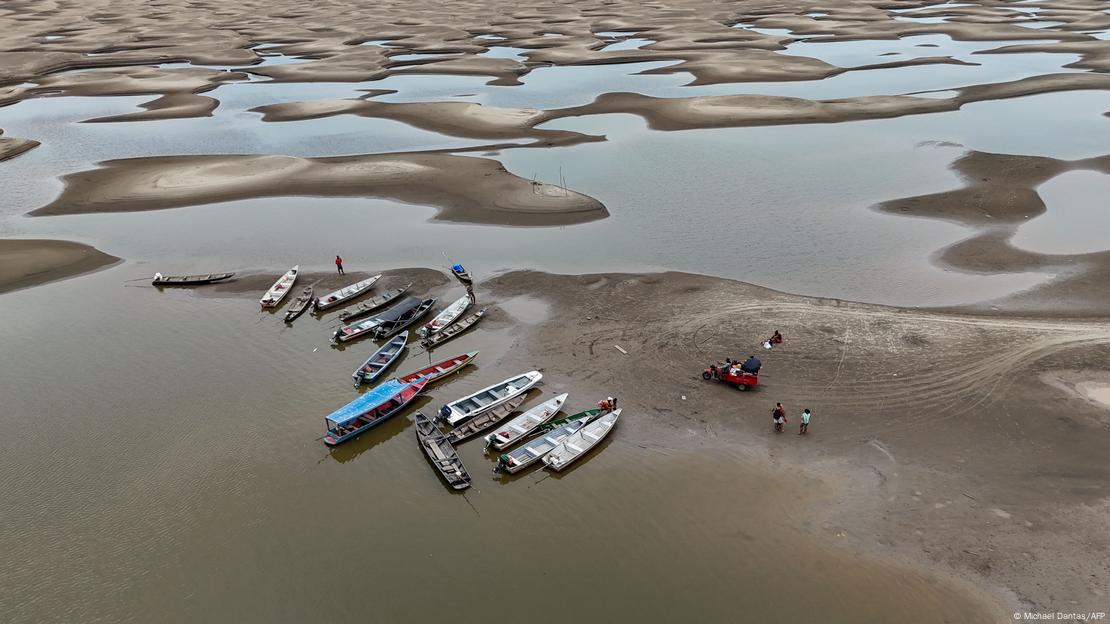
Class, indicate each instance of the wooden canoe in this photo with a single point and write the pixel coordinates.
(461, 274)
(580, 442)
(440, 452)
(369, 410)
(519, 427)
(449, 315)
(368, 306)
(300, 304)
(439, 370)
(450, 332)
(280, 289)
(536, 448)
(189, 280)
(346, 293)
(461, 410)
(487, 419)
(376, 364)
(393, 324)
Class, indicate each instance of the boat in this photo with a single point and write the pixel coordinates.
(441, 453)
(438, 371)
(404, 313)
(526, 423)
(450, 332)
(299, 305)
(468, 407)
(189, 280)
(485, 420)
(368, 306)
(536, 448)
(280, 289)
(346, 293)
(461, 274)
(559, 422)
(376, 364)
(356, 329)
(580, 442)
(370, 409)
(449, 315)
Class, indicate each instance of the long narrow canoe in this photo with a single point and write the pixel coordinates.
(438, 371)
(280, 289)
(449, 315)
(369, 410)
(461, 274)
(468, 407)
(368, 306)
(487, 419)
(376, 364)
(299, 305)
(394, 323)
(580, 442)
(530, 453)
(440, 452)
(526, 423)
(346, 293)
(189, 280)
(450, 332)
(589, 414)
(356, 329)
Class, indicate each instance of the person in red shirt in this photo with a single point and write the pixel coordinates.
(339, 264)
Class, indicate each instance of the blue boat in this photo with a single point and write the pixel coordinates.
(370, 409)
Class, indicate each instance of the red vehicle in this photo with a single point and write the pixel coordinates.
(727, 374)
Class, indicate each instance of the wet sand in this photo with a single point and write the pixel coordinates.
(27, 263)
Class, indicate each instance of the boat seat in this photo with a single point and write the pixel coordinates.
(587, 434)
(574, 448)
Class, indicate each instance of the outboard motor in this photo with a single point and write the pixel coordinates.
(444, 412)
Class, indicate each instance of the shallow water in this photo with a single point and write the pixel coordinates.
(1076, 219)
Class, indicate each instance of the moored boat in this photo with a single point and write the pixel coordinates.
(368, 306)
(280, 289)
(536, 448)
(299, 305)
(468, 407)
(449, 315)
(376, 364)
(371, 409)
(526, 423)
(485, 420)
(451, 331)
(580, 442)
(346, 293)
(189, 280)
(440, 452)
(461, 274)
(404, 313)
(439, 370)
(356, 329)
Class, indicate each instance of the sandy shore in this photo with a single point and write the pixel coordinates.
(938, 433)
(27, 263)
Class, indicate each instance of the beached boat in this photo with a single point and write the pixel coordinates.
(451, 331)
(468, 407)
(368, 306)
(376, 364)
(461, 274)
(439, 370)
(372, 408)
(559, 422)
(356, 329)
(536, 448)
(280, 289)
(189, 280)
(580, 442)
(346, 293)
(441, 453)
(449, 315)
(299, 305)
(485, 420)
(404, 313)
(526, 423)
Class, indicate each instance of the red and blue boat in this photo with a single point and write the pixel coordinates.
(371, 409)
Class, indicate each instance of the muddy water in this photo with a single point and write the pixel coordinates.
(1076, 218)
(159, 463)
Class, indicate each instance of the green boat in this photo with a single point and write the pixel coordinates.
(559, 422)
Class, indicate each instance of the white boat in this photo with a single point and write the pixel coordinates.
(356, 329)
(468, 407)
(346, 293)
(525, 456)
(580, 442)
(526, 423)
(280, 289)
(449, 315)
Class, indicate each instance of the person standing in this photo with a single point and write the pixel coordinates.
(778, 416)
(804, 426)
(339, 264)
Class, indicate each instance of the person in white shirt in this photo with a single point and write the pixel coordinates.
(805, 421)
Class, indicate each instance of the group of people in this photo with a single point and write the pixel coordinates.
(778, 417)
(608, 404)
